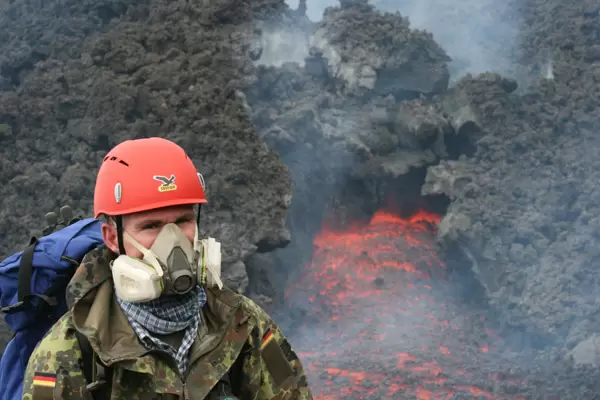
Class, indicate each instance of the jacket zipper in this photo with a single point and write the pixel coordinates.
(183, 377)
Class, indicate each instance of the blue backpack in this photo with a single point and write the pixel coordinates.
(32, 292)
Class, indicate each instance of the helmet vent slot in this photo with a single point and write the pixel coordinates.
(113, 158)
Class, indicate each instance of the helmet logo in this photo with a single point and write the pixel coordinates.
(168, 184)
(118, 192)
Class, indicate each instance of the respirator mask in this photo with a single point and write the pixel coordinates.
(172, 266)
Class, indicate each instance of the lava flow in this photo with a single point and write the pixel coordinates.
(386, 323)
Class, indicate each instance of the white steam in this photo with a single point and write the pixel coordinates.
(479, 35)
(283, 45)
(548, 70)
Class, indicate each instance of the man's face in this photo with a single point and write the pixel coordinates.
(145, 226)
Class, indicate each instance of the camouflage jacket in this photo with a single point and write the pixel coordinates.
(233, 328)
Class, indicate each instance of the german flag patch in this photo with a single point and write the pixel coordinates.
(43, 386)
(277, 364)
(268, 336)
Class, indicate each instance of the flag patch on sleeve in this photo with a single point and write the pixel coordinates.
(277, 364)
(43, 379)
(43, 386)
(266, 339)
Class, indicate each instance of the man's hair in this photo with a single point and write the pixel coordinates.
(107, 219)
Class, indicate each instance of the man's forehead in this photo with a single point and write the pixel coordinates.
(162, 214)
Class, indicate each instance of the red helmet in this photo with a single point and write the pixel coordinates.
(144, 174)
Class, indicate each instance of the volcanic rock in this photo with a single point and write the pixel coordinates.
(264, 273)
(305, 110)
(377, 51)
(420, 126)
(339, 148)
(531, 235)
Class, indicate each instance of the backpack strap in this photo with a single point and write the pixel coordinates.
(26, 271)
(99, 378)
(26, 265)
(24, 285)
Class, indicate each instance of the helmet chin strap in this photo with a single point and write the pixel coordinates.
(197, 233)
(198, 218)
(119, 222)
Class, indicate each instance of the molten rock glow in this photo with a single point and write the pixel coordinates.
(387, 322)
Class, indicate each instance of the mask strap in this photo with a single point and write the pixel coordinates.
(198, 217)
(119, 222)
(197, 231)
(147, 253)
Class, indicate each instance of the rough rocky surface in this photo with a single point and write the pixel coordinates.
(524, 207)
(379, 52)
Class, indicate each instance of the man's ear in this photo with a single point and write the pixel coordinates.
(109, 234)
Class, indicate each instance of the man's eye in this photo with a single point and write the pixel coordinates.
(150, 226)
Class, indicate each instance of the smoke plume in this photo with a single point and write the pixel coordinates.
(479, 35)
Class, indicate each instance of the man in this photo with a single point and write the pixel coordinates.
(143, 301)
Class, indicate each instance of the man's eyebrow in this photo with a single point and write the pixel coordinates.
(185, 217)
(149, 222)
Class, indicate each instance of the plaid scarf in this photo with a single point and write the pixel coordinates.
(164, 316)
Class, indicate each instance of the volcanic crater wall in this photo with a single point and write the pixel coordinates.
(515, 163)
(524, 206)
(354, 141)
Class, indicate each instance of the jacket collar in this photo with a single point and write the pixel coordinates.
(97, 315)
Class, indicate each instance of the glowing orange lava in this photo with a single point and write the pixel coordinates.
(387, 332)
